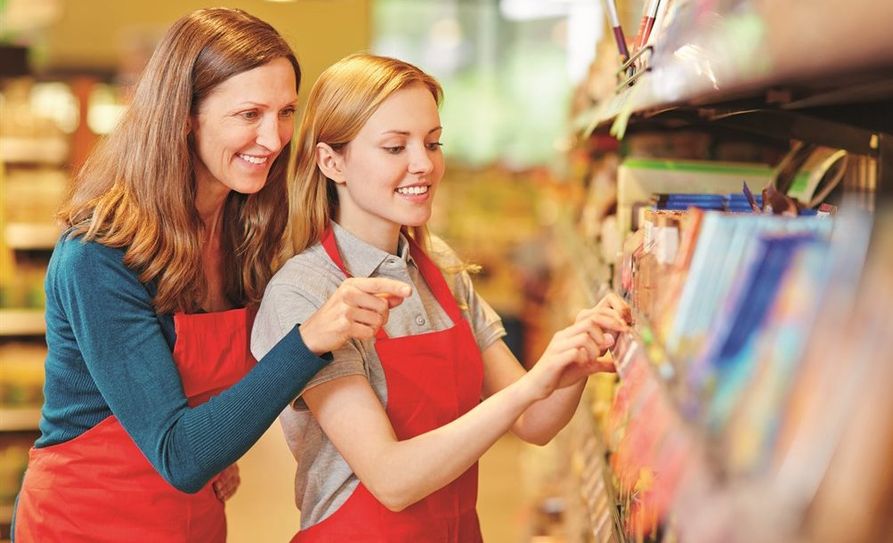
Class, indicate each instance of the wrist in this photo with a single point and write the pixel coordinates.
(524, 392)
(312, 346)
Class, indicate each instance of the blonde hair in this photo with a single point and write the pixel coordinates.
(340, 103)
(137, 189)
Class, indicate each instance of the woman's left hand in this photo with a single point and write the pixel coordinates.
(227, 482)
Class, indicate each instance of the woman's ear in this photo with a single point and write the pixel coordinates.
(330, 162)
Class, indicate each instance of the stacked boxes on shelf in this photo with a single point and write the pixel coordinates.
(34, 179)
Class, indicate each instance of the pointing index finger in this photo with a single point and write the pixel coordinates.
(383, 287)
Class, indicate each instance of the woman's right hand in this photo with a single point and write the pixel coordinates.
(612, 315)
(357, 309)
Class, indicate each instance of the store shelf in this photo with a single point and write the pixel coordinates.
(22, 322)
(597, 491)
(682, 465)
(19, 419)
(5, 515)
(643, 367)
(31, 235)
(592, 272)
(674, 441)
(51, 151)
(788, 55)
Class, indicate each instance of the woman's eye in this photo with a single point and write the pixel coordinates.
(287, 113)
(249, 115)
(434, 146)
(396, 149)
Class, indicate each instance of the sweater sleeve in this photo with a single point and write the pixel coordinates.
(120, 338)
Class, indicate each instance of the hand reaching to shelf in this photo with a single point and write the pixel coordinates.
(573, 353)
(612, 315)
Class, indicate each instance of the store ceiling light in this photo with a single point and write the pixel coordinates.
(525, 10)
(23, 16)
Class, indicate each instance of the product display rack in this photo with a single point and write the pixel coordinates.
(752, 66)
(596, 485)
(656, 452)
(45, 135)
(744, 69)
(34, 166)
(636, 350)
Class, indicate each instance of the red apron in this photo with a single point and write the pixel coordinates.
(432, 379)
(99, 487)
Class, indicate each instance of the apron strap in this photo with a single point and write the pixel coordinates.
(328, 243)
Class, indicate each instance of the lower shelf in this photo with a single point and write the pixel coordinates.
(19, 419)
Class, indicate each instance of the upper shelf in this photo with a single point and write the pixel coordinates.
(793, 55)
(22, 322)
(22, 235)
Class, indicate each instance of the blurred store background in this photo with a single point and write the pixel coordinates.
(508, 69)
(568, 176)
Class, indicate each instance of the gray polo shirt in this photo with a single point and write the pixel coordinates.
(324, 481)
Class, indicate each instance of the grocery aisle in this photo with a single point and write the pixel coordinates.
(752, 391)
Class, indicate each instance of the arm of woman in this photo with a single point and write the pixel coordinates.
(400, 473)
(540, 422)
(109, 314)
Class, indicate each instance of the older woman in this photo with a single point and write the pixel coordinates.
(173, 231)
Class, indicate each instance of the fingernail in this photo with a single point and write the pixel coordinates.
(406, 291)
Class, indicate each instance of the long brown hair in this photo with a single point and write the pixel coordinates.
(340, 103)
(137, 189)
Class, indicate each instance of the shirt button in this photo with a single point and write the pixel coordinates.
(391, 261)
(420, 320)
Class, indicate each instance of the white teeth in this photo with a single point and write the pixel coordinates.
(412, 190)
(253, 159)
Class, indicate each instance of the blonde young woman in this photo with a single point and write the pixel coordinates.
(173, 229)
(387, 437)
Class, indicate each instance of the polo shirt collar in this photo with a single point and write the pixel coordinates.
(361, 258)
